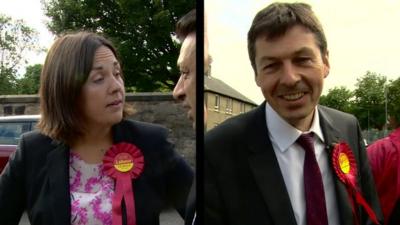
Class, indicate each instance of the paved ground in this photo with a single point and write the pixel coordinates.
(170, 217)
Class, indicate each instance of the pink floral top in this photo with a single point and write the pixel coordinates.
(91, 193)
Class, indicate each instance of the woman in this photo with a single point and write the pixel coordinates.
(65, 173)
(384, 158)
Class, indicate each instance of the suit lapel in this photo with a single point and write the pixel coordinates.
(58, 172)
(331, 136)
(266, 171)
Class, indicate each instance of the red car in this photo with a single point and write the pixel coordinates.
(11, 128)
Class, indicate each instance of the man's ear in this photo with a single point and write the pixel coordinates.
(325, 60)
(256, 79)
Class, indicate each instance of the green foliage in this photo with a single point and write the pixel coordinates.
(367, 101)
(141, 31)
(7, 81)
(29, 83)
(338, 98)
(370, 100)
(393, 94)
(16, 39)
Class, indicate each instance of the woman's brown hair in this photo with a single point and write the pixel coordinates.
(66, 69)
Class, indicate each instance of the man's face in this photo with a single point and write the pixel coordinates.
(290, 72)
(185, 89)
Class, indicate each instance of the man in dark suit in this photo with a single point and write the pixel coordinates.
(185, 89)
(276, 164)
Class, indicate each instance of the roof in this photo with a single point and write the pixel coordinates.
(213, 84)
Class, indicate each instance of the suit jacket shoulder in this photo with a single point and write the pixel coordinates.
(234, 125)
(239, 166)
(133, 130)
(337, 117)
(235, 130)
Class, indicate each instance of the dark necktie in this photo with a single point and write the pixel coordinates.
(313, 186)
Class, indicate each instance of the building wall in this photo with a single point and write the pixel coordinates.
(157, 108)
(220, 108)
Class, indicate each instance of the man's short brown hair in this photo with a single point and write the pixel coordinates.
(186, 25)
(274, 20)
(66, 69)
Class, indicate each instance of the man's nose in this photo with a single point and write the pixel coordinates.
(178, 92)
(289, 74)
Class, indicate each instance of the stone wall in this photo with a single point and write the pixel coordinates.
(157, 108)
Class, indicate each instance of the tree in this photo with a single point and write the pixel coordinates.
(338, 98)
(141, 31)
(370, 100)
(29, 83)
(16, 38)
(393, 95)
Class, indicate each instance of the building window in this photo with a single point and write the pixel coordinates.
(229, 106)
(8, 110)
(242, 107)
(216, 103)
(19, 110)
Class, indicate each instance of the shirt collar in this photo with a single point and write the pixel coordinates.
(284, 134)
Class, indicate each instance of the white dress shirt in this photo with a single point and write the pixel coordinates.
(291, 159)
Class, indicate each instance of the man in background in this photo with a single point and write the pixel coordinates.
(185, 89)
(384, 156)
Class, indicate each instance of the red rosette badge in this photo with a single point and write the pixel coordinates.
(345, 167)
(123, 162)
(344, 164)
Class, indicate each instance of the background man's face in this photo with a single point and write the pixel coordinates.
(185, 89)
(290, 73)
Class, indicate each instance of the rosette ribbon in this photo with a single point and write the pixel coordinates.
(345, 167)
(123, 162)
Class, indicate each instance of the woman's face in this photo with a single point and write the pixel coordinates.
(103, 94)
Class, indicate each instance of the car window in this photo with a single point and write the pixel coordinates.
(11, 131)
(33, 125)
